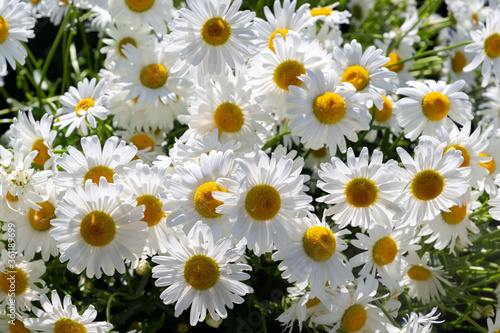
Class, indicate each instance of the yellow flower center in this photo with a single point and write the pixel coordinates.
(488, 165)
(385, 114)
(216, 31)
(384, 251)
(361, 192)
(319, 153)
(228, 117)
(35, 2)
(201, 272)
(419, 273)
(282, 32)
(394, 59)
(263, 202)
(153, 213)
(455, 215)
(435, 106)
(357, 76)
(319, 243)
(4, 29)
(97, 172)
(458, 62)
(465, 154)
(354, 318)
(427, 185)
(204, 202)
(84, 105)
(312, 302)
(321, 11)
(43, 153)
(66, 325)
(14, 280)
(475, 18)
(139, 5)
(287, 73)
(154, 76)
(11, 198)
(123, 42)
(18, 327)
(143, 141)
(98, 228)
(492, 45)
(40, 220)
(329, 108)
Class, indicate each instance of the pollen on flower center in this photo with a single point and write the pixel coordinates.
(17, 326)
(321, 11)
(201, 272)
(319, 153)
(427, 185)
(228, 117)
(40, 220)
(11, 198)
(98, 228)
(394, 59)
(216, 31)
(139, 5)
(20, 281)
(66, 325)
(490, 165)
(419, 273)
(435, 106)
(385, 114)
(282, 32)
(153, 213)
(329, 108)
(97, 172)
(263, 202)
(456, 214)
(458, 62)
(123, 42)
(43, 152)
(465, 154)
(492, 45)
(312, 302)
(319, 243)
(84, 105)
(354, 318)
(154, 76)
(357, 76)
(361, 192)
(143, 141)
(384, 251)
(4, 29)
(286, 74)
(204, 202)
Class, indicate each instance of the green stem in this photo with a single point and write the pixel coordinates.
(395, 143)
(387, 314)
(65, 83)
(108, 306)
(472, 322)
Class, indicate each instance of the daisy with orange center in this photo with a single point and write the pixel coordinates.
(457, 58)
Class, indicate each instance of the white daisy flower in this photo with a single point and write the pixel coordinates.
(435, 181)
(364, 70)
(359, 10)
(495, 206)
(385, 118)
(403, 50)
(64, 317)
(362, 192)
(492, 152)
(414, 323)
(16, 26)
(313, 255)
(329, 15)
(82, 104)
(469, 14)
(96, 230)
(13, 325)
(488, 111)
(425, 282)
(199, 272)
(432, 107)
(57, 10)
(27, 284)
(486, 48)
(263, 198)
(213, 34)
(323, 113)
(494, 326)
(328, 36)
(148, 143)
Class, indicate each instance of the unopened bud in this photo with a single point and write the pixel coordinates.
(488, 311)
(143, 268)
(212, 322)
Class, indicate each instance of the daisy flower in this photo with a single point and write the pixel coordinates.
(469, 14)
(58, 316)
(148, 143)
(328, 36)
(16, 26)
(364, 71)
(329, 15)
(82, 104)
(486, 48)
(323, 113)
(495, 206)
(414, 323)
(213, 34)
(314, 256)
(492, 151)
(57, 10)
(199, 272)
(95, 162)
(385, 117)
(488, 111)
(359, 10)
(432, 107)
(435, 181)
(263, 198)
(493, 327)
(403, 50)
(425, 282)
(96, 230)
(362, 192)
(13, 325)
(27, 282)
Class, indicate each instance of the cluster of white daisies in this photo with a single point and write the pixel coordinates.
(236, 81)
